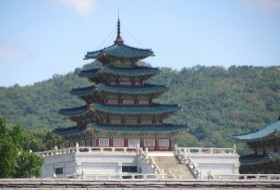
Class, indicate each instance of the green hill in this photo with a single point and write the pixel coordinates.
(216, 102)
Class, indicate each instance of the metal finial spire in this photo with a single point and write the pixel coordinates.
(119, 38)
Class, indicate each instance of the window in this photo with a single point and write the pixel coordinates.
(129, 169)
(58, 171)
(118, 142)
(88, 142)
(149, 142)
(104, 142)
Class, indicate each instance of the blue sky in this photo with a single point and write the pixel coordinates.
(40, 38)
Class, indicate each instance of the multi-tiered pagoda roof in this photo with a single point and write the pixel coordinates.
(120, 101)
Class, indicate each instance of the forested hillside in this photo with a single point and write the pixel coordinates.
(216, 102)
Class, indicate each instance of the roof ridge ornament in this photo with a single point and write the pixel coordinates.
(119, 40)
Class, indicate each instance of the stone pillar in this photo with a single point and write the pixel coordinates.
(234, 148)
(77, 147)
(146, 153)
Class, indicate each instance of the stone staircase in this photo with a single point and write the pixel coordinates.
(171, 165)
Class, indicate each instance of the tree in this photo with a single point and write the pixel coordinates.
(28, 165)
(14, 160)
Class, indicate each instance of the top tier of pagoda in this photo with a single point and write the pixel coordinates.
(120, 102)
(119, 54)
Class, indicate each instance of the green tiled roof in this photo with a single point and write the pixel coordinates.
(130, 71)
(266, 131)
(165, 128)
(120, 51)
(145, 89)
(69, 130)
(122, 109)
(74, 111)
(136, 71)
(88, 73)
(133, 109)
(82, 91)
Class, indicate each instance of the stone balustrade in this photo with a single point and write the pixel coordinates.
(213, 151)
(248, 177)
(148, 159)
(78, 149)
(188, 161)
(164, 177)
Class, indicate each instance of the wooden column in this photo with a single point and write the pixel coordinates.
(97, 142)
(156, 144)
(125, 142)
(142, 143)
(170, 145)
(110, 142)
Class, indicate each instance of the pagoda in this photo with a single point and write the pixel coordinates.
(119, 108)
(265, 143)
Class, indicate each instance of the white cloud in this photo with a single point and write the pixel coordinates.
(11, 52)
(81, 7)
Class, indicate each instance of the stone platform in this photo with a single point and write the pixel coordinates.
(82, 184)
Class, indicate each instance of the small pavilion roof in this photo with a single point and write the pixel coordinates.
(133, 109)
(165, 128)
(269, 130)
(136, 71)
(134, 90)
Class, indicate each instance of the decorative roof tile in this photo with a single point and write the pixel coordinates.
(133, 109)
(130, 71)
(266, 131)
(74, 111)
(135, 90)
(88, 73)
(136, 71)
(120, 50)
(165, 128)
(82, 91)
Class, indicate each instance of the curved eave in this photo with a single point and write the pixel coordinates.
(131, 72)
(136, 71)
(270, 130)
(82, 91)
(120, 51)
(165, 128)
(69, 130)
(74, 111)
(88, 73)
(133, 90)
(135, 110)
(130, 90)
